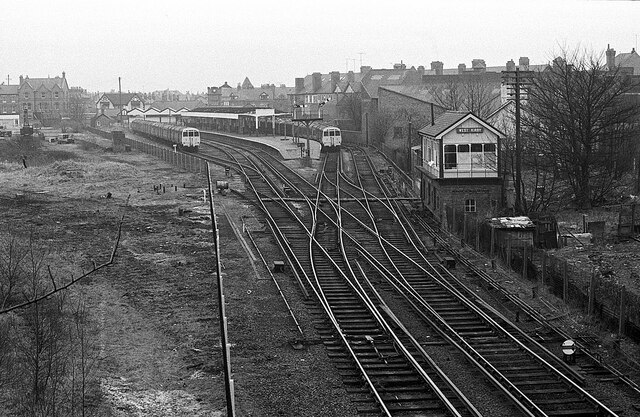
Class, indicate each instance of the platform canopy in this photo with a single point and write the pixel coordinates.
(234, 113)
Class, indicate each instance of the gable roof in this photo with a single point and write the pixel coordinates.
(114, 98)
(630, 59)
(48, 83)
(443, 122)
(246, 84)
(449, 119)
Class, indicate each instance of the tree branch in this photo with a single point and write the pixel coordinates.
(73, 280)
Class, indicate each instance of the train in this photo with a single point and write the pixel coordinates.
(330, 137)
(186, 138)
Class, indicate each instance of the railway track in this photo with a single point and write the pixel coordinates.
(351, 248)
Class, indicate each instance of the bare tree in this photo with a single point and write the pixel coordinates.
(351, 105)
(12, 273)
(578, 118)
(467, 93)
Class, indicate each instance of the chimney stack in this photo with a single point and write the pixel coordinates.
(461, 68)
(511, 66)
(611, 58)
(299, 85)
(351, 77)
(316, 81)
(335, 80)
(438, 67)
(523, 62)
(478, 65)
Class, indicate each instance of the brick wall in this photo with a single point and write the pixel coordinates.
(486, 195)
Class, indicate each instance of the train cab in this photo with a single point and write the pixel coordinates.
(331, 138)
(190, 138)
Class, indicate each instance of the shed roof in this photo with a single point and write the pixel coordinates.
(521, 222)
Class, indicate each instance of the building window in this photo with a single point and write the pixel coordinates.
(26, 95)
(450, 157)
(56, 94)
(43, 95)
(56, 106)
(397, 132)
(470, 205)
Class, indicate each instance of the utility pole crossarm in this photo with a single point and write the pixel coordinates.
(517, 82)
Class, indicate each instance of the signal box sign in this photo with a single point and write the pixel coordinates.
(469, 130)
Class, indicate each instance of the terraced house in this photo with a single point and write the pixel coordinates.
(44, 99)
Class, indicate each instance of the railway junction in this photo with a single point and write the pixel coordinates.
(366, 307)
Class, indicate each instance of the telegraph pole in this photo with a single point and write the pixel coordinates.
(517, 81)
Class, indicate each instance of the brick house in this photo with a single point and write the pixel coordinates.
(44, 99)
(460, 169)
(267, 96)
(9, 99)
(329, 94)
(128, 101)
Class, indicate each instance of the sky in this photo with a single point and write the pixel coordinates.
(190, 45)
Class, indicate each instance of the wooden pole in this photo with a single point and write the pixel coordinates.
(544, 268)
(464, 227)
(524, 262)
(493, 242)
(592, 292)
(565, 282)
(621, 319)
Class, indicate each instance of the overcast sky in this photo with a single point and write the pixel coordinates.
(189, 45)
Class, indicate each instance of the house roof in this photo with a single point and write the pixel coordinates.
(8, 89)
(246, 84)
(375, 78)
(326, 83)
(108, 113)
(48, 83)
(630, 59)
(417, 92)
(177, 105)
(497, 68)
(126, 98)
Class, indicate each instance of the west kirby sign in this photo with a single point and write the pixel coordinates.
(469, 130)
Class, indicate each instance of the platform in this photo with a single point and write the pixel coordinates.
(286, 146)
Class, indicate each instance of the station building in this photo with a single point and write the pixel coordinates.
(459, 166)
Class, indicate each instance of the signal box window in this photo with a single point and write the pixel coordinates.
(450, 157)
(470, 205)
